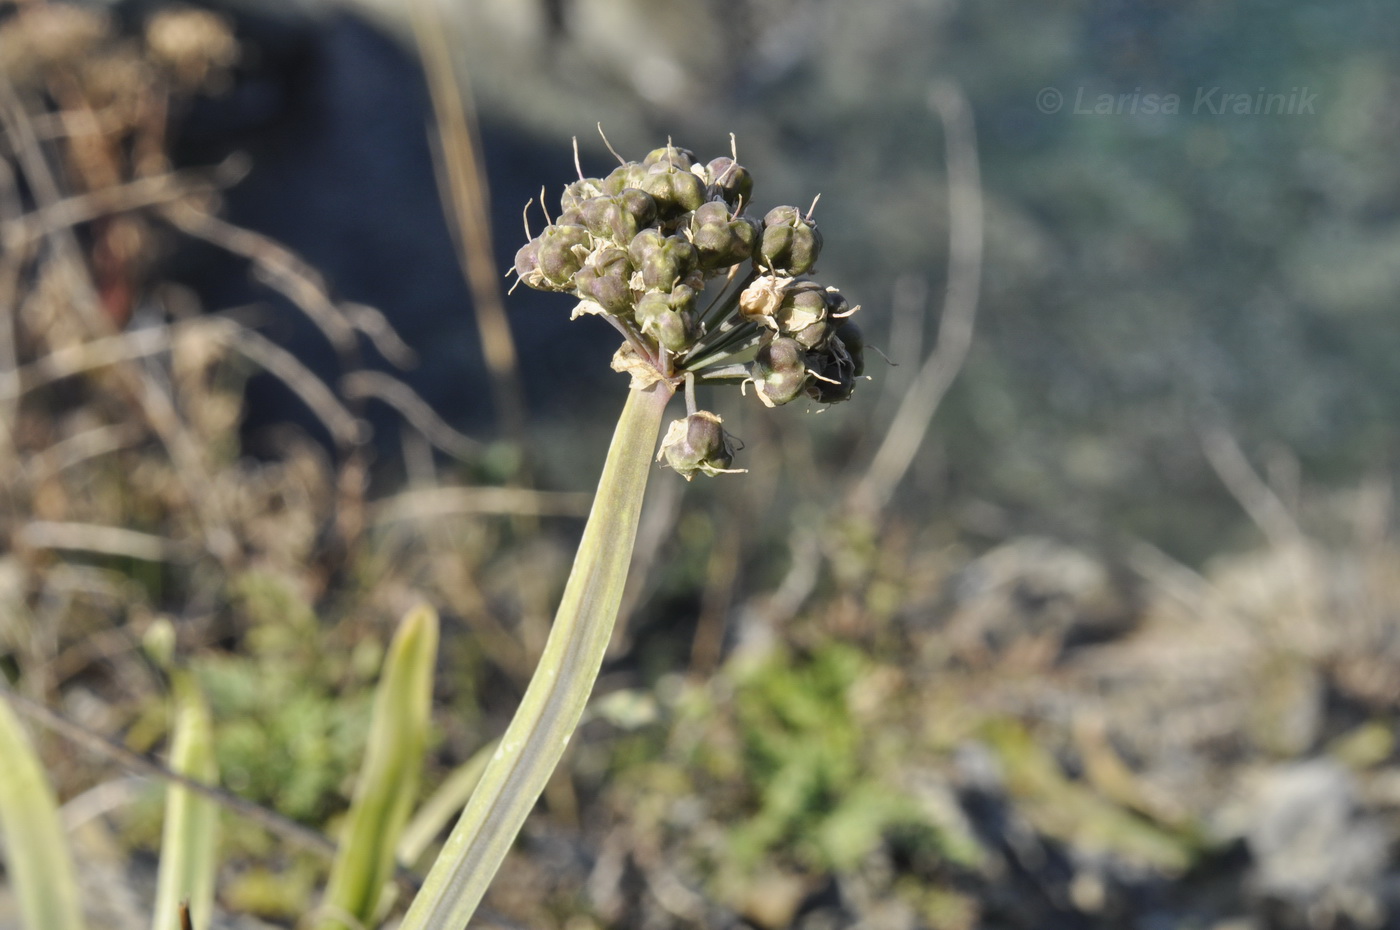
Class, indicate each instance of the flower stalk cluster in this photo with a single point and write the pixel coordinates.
(642, 247)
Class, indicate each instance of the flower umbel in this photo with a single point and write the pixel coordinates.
(639, 248)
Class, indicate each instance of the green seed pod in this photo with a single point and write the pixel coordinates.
(730, 181)
(676, 190)
(779, 371)
(561, 253)
(670, 329)
(640, 204)
(662, 260)
(852, 341)
(604, 280)
(721, 238)
(697, 443)
(683, 299)
(667, 317)
(791, 242)
(527, 261)
(669, 154)
(579, 191)
(813, 335)
(623, 177)
(617, 216)
(804, 304)
(643, 244)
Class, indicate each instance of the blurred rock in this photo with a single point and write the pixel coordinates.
(1311, 841)
(1032, 598)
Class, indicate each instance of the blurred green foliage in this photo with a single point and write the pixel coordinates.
(287, 735)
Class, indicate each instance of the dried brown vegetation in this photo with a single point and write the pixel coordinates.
(883, 723)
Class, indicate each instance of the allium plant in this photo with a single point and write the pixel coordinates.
(666, 251)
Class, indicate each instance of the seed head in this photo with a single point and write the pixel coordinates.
(639, 247)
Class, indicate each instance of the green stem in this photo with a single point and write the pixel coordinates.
(554, 701)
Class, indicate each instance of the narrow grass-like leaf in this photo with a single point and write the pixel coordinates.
(388, 782)
(190, 837)
(39, 864)
(427, 822)
(443, 805)
(559, 689)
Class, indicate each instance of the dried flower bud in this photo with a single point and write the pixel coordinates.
(730, 181)
(721, 238)
(604, 279)
(779, 371)
(761, 299)
(697, 443)
(791, 242)
(662, 260)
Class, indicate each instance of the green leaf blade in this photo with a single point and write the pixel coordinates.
(388, 781)
(190, 835)
(38, 860)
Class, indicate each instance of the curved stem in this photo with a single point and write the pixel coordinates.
(535, 741)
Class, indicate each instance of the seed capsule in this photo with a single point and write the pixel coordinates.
(578, 191)
(668, 317)
(852, 342)
(803, 305)
(832, 377)
(721, 238)
(675, 189)
(670, 155)
(617, 217)
(623, 177)
(779, 371)
(604, 280)
(813, 335)
(662, 260)
(527, 261)
(560, 254)
(697, 443)
(791, 242)
(730, 181)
